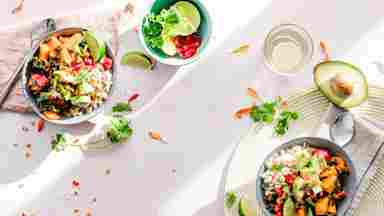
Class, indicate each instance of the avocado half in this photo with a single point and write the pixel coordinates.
(353, 80)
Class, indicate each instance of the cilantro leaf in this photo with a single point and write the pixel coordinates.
(283, 122)
(119, 130)
(122, 107)
(264, 113)
(230, 199)
(59, 142)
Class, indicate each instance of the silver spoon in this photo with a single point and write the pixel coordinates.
(342, 129)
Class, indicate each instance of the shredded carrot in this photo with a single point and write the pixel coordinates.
(156, 136)
(19, 7)
(243, 111)
(325, 50)
(252, 92)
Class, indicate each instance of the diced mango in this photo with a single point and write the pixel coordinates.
(53, 43)
(44, 51)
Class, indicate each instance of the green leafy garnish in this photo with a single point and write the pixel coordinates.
(122, 107)
(264, 113)
(283, 122)
(59, 143)
(230, 199)
(119, 130)
(157, 25)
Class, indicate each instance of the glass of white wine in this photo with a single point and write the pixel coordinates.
(287, 49)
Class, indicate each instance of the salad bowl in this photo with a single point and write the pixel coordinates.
(27, 72)
(348, 182)
(203, 32)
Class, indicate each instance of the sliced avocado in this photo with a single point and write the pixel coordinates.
(245, 209)
(342, 83)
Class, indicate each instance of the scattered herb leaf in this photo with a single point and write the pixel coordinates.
(242, 49)
(264, 112)
(59, 143)
(283, 121)
(122, 107)
(230, 199)
(119, 130)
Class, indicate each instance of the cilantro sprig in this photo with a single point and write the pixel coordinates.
(119, 130)
(270, 112)
(157, 25)
(282, 124)
(122, 107)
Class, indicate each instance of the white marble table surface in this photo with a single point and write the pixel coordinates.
(194, 113)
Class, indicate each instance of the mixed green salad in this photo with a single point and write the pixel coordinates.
(174, 30)
(304, 181)
(70, 75)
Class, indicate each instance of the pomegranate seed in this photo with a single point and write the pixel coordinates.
(88, 61)
(75, 183)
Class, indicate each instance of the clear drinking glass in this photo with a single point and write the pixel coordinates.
(287, 49)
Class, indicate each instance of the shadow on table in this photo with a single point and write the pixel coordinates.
(198, 109)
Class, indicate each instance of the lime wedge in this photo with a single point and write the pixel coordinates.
(96, 46)
(189, 19)
(137, 59)
(245, 209)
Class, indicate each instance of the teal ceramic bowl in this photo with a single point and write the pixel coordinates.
(204, 31)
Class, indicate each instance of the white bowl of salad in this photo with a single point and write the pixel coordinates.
(306, 177)
(175, 32)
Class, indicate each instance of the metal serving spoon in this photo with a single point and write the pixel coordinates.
(342, 129)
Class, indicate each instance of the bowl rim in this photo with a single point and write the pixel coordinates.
(76, 119)
(173, 60)
(300, 141)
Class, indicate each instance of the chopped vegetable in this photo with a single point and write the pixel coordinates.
(133, 97)
(40, 125)
(230, 199)
(242, 49)
(252, 93)
(156, 136)
(243, 111)
(325, 50)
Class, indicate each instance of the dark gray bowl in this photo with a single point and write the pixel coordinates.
(349, 182)
(26, 74)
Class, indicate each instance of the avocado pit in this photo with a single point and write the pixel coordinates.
(341, 85)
